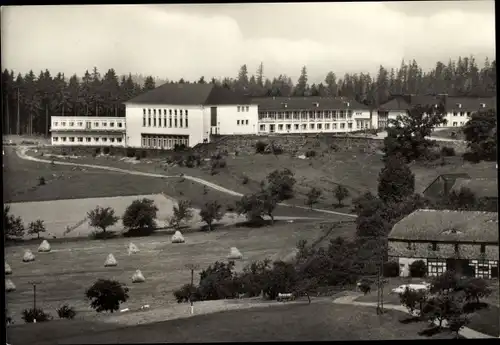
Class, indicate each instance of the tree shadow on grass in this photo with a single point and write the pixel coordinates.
(257, 223)
(472, 307)
(430, 331)
(411, 319)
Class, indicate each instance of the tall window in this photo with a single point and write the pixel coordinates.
(164, 112)
(143, 111)
(144, 120)
(180, 121)
(170, 121)
(165, 119)
(186, 119)
(180, 112)
(154, 120)
(149, 120)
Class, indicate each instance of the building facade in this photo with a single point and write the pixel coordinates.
(311, 115)
(463, 241)
(88, 131)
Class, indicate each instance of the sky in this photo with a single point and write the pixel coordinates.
(214, 40)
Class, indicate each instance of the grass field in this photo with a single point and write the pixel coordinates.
(446, 133)
(356, 171)
(293, 322)
(485, 320)
(70, 268)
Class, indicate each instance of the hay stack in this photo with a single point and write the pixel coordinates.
(138, 277)
(9, 286)
(44, 247)
(132, 248)
(177, 237)
(28, 256)
(234, 254)
(110, 261)
(8, 270)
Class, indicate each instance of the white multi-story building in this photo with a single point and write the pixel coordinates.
(187, 114)
(87, 131)
(311, 115)
(458, 110)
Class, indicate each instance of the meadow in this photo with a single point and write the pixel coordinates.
(65, 272)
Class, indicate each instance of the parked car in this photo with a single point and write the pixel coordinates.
(416, 287)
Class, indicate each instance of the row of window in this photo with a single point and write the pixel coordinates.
(172, 123)
(242, 122)
(96, 124)
(164, 142)
(303, 114)
(87, 139)
(243, 108)
(462, 113)
(170, 111)
(313, 126)
(435, 247)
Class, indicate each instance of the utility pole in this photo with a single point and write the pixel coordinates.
(34, 283)
(8, 114)
(192, 267)
(47, 120)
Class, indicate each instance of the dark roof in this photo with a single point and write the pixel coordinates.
(447, 178)
(482, 187)
(307, 103)
(470, 103)
(190, 94)
(405, 102)
(436, 225)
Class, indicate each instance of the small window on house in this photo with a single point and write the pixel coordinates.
(80, 139)
(483, 105)
(63, 123)
(104, 139)
(104, 124)
(238, 108)
(55, 123)
(180, 112)
(311, 126)
(120, 124)
(349, 125)
(296, 127)
(149, 111)
(55, 138)
(112, 140)
(186, 112)
(456, 248)
(96, 139)
(63, 138)
(237, 122)
(144, 111)
(483, 248)
(72, 139)
(262, 127)
(455, 113)
(468, 114)
(144, 121)
(320, 126)
(408, 246)
(71, 124)
(170, 112)
(111, 124)
(119, 140)
(175, 112)
(88, 139)
(164, 111)
(79, 124)
(246, 122)
(454, 124)
(327, 126)
(435, 246)
(154, 112)
(280, 127)
(247, 108)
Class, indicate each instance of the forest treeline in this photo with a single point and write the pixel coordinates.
(29, 100)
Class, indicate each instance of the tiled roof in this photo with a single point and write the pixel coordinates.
(482, 187)
(404, 102)
(437, 225)
(190, 94)
(307, 103)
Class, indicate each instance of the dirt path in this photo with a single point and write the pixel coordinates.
(21, 153)
(351, 300)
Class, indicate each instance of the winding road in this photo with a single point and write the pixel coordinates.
(21, 153)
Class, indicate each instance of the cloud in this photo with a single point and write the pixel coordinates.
(174, 41)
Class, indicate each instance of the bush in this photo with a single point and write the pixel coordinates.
(41, 181)
(222, 163)
(36, 227)
(102, 218)
(334, 147)
(66, 312)
(130, 152)
(391, 269)
(137, 156)
(139, 232)
(106, 295)
(260, 147)
(418, 269)
(97, 150)
(106, 150)
(310, 154)
(30, 315)
(13, 226)
(186, 293)
(447, 151)
(471, 157)
(218, 281)
(102, 235)
(245, 180)
(282, 278)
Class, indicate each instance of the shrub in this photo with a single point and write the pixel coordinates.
(334, 147)
(313, 197)
(211, 212)
(471, 157)
(391, 269)
(412, 299)
(245, 180)
(130, 152)
(101, 235)
(186, 293)
(13, 226)
(340, 194)
(94, 155)
(137, 156)
(260, 147)
(106, 150)
(447, 151)
(281, 183)
(144, 153)
(97, 150)
(30, 315)
(182, 212)
(282, 278)
(218, 281)
(139, 232)
(418, 269)
(106, 295)
(310, 154)
(365, 287)
(140, 214)
(36, 227)
(66, 312)
(222, 163)
(41, 181)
